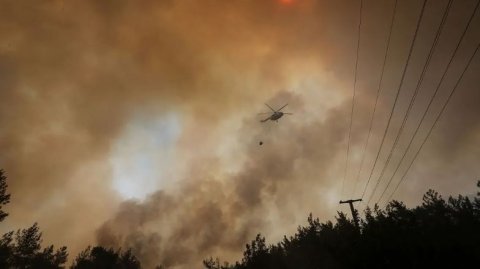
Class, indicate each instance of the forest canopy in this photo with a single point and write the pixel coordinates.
(439, 233)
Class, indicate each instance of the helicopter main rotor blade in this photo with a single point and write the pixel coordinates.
(282, 107)
(270, 107)
(263, 113)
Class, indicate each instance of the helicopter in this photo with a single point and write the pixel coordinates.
(277, 114)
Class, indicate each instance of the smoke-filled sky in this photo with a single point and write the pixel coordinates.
(134, 124)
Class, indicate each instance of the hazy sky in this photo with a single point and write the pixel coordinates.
(133, 124)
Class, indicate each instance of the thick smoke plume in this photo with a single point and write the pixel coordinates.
(213, 213)
(74, 75)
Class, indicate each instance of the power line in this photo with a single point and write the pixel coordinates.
(431, 101)
(396, 97)
(432, 98)
(414, 97)
(353, 98)
(436, 120)
(377, 97)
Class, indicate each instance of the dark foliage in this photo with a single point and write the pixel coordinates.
(102, 258)
(22, 249)
(4, 197)
(437, 234)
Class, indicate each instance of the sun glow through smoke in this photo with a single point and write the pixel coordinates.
(286, 2)
(142, 156)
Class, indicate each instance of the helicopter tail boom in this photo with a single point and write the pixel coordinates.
(265, 119)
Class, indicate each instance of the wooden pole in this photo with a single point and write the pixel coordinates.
(354, 213)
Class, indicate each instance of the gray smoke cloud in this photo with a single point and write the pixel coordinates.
(75, 74)
(217, 215)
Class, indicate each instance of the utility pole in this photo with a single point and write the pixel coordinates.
(354, 213)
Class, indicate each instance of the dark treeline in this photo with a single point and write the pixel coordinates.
(22, 249)
(437, 234)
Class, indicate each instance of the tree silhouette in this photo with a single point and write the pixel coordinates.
(215, 264)
(4, 197)
(438, 233)
(22, 249)
(5, 249)
(102, 258)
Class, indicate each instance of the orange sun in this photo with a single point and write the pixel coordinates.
(286, 2)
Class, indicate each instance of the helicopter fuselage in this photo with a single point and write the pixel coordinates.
(276, 115)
